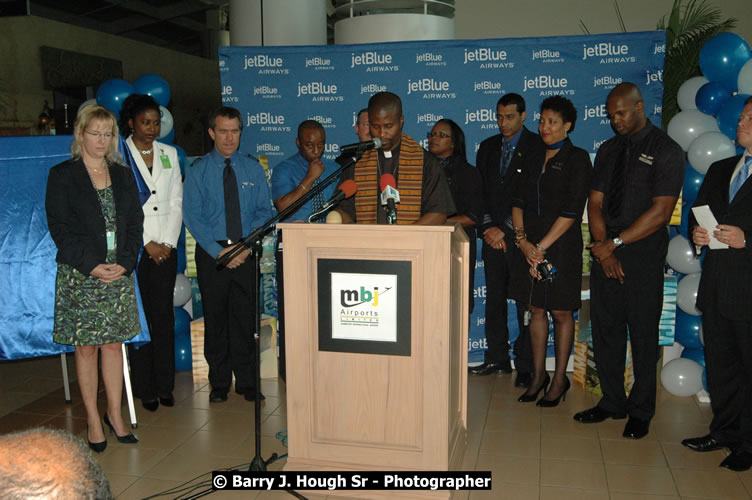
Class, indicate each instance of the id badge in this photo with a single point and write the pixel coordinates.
(110, 240)
(165, 161)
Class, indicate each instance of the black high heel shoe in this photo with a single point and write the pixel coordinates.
(550, 403)
(127, 439)
(96, 447)
(529, 398)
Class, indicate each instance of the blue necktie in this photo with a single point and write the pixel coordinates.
(506, 158)
(740, 178)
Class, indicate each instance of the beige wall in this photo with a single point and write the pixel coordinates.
(194, 81)
(487, 19)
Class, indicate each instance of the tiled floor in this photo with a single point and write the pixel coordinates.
(534, 453)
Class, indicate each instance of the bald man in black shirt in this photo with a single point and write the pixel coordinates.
(637, 178)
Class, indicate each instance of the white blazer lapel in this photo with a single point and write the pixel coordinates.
(148, 179)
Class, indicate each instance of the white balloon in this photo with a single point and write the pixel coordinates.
(167, 122)
(688, 91)
(686, 294)
(682, 377)
(681, 256)
(708, 149)
(686, 126)
(182, 291)
(744, 80)
(84, 104)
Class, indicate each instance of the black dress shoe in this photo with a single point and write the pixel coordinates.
(636, 428)
(249, 393)
(522, 380)
(704, 443)
(218, 396)
(738, 461)
(597, 414)
(127, 439)
(96, 447)
(491, 367)
(167, 400)
(150, 405)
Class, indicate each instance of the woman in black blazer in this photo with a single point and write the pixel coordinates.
(95, 218)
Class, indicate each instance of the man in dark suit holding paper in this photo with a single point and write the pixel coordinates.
(724, 299)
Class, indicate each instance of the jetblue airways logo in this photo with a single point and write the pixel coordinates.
(547, 56)
(430, 59)
(267, 92)
(486, 117)
(227, 94)
(488, 87)
(374, 61)
(596, 112)
(269, 122)
(432, 89)
(608, 53)
(265, 64)
(325, 121)
(607, 81)
(652, 77)
(546, 85)
(319, 63)
(429, 118)
(372, 88)
(319, 91)
(268, 149)
(488, 59)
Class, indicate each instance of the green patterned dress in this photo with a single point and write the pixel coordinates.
(89, 311)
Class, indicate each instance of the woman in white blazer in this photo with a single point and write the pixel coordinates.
(153, 365)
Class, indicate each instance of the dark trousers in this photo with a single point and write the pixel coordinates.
(634, 305)
(728, 360)
(228, 297)
(497, 265)
(153, 365)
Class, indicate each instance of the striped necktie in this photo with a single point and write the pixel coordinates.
(740, 178)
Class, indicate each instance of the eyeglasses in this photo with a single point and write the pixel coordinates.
(106, 135)
(443, 135)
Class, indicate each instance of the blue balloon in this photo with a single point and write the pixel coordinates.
(155, 86)
(182, 261)
(183, 357)
(692, 182)
(169, 138)
(112, 93)
(722, 57)
(728, 116)
(696, 355)
(687, 331)
(711, 97)
(683, 227)
(182, 159)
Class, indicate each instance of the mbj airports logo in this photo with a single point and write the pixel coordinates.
(265, 65)
(268, 122)
(488, 87)
(488, 58)
(372, 88)
(319, 63)
(547, 56)
(360, 306)
(269, 149)
(608, 53)
(546, 85)
(227, 94)
(431, 89)
(374, 61)
(430, 59)
(267, 92)
(320, 92)
(486, 117)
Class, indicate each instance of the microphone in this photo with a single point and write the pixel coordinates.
(344, 190)
(389, 196)
(359, 147)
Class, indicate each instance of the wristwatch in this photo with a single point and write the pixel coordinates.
(617, 242)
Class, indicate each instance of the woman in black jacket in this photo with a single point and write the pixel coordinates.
(95, 218)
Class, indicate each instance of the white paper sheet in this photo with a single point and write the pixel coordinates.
(707, 221)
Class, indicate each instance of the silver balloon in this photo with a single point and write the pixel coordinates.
(708, 149)
(182, 291)
(167, 122)
(681, 256)
(744, 80)
(84, 104)
(686, 294)
(686, 126)
(682, 377)
(688, 91)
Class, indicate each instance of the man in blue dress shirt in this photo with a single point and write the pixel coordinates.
(226, 197)
(291, 180)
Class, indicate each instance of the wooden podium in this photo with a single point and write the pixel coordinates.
(377, 405)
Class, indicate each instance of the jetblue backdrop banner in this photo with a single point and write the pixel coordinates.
(275, 88)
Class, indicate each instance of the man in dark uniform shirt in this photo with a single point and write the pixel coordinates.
(637, 178)
(424, 201)
(500, 160)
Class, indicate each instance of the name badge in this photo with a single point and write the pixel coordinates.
(165, 161)
(646, 159)
(110, 240)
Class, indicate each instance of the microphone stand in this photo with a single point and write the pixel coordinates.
(253, 241)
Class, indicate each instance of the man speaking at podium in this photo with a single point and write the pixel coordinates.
(424, 196)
